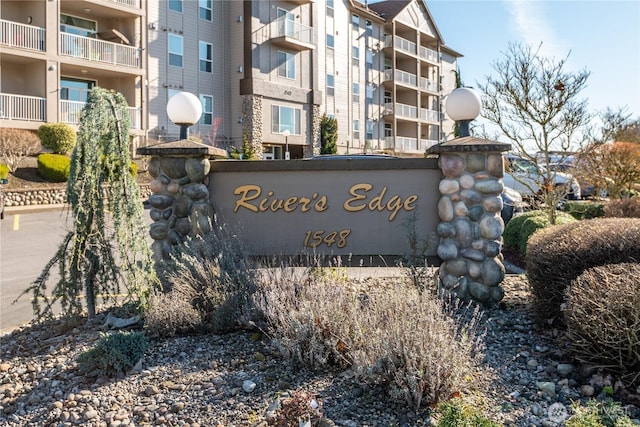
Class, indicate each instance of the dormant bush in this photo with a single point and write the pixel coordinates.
(557, 255)
(623, 208)
(16, 144)
(388, 334)
(114, 354)
(610, 294)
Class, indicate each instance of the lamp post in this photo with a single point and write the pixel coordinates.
(286, 134)
(463, 105)
(184, 109)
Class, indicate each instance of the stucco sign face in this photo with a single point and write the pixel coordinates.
(352, 207)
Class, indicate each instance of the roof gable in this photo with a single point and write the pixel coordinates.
(414, 13)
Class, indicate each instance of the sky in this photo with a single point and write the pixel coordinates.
(601, 36)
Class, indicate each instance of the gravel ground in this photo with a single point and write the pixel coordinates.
(238, 380)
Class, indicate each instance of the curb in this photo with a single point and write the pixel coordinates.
(16, 210)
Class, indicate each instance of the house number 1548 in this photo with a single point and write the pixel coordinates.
(313, 239)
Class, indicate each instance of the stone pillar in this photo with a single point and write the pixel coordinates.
(180, 205)
(252, 122)
(470, 227)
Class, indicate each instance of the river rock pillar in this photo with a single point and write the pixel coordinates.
(180, 205)
(470, 227)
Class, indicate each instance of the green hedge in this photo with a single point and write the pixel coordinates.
(521, 227)
(54, 167)
(57, 137)
(584, 210)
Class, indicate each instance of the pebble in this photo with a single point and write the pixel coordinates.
(202, 380)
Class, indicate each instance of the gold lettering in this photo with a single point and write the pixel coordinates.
(408, 203)
(245, 191)
(321, 205)
(304, 204)
(290, 204)
(394, 205)
(276, 205)
(264, 205)
(356, 197)
(376, 202)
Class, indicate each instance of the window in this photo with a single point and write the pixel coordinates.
(368, 90)
(369, 130)
(330, 85)
(207, 109)
(355, 55)
(356, 92)
(286, 65)
(283, 118)
(176, 50)
(75, 89)
(330, 42)
(78, 26)
(206, 10)
(388, 130)
(368, 28)
(286, 23)
(175, 5)
(329, 7)
(206, 57)
(356, 129)
(387, 98)
(355, 20)
(368, 57)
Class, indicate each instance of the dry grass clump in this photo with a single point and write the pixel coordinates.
(209, 284)
(623, 208)
(557, 255)
(603, 317)
(388, 334)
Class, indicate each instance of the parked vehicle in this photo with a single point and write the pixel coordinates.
(512, 204)
(527, 178)
(587, 189)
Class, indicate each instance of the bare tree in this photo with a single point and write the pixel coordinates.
(534, 102)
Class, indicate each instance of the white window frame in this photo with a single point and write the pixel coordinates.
(286, 64)
(207, 60)
(207, 109)
(205, 7)
(176, 54)
(331, 84)
(355, 87)
(356, 129)
(176, 2)
(280, 111)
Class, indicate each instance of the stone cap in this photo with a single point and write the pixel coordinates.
(468, 144)
(183, 147)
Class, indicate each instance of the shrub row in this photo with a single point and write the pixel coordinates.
(557, 255)
(521, 227)
(623, 208)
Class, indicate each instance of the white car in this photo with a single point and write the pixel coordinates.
(525, 177)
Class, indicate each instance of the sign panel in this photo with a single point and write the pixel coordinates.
(347, 207)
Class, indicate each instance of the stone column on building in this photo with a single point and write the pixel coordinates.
(180, 206)
(470, 228)
(252, 122)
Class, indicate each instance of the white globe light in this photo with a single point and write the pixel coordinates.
(184, 108)
(463, 103)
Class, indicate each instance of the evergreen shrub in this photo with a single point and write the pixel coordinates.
(60, 138)
(584, 210)
(54, 167)
(521, 227)
(114, 354)
(557, 255)
(611, 294)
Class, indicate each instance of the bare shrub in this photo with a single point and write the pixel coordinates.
(16, 144)
(389, 334)
(610, 294)
(557, 255)
(623, 208)
(170, 315)
(212, 275)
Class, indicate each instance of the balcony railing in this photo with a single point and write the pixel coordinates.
(294, 30)
(405, 144)
(403, 77)
(20, 107)
(401, 110)
(70, 113)
(429, 54)
(22, 36)
(426, 143)
(429, 85)
(427, 115)
(401, 44)
(99, 50)
(134, 3)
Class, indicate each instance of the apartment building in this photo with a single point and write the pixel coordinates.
(265, 70)
(52, 53)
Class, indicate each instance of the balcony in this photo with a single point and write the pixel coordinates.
(20, 107)
(426, 143)
(400, 110)
(429, 55)
(402, 45)
(95, 50)
(429, 85)
(430, 116)
(70, 113)
(402, 77)
(133, 3)
(22, 36)
(292, 35)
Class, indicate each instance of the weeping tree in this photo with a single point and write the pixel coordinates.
(107, 248)
(534, 102)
